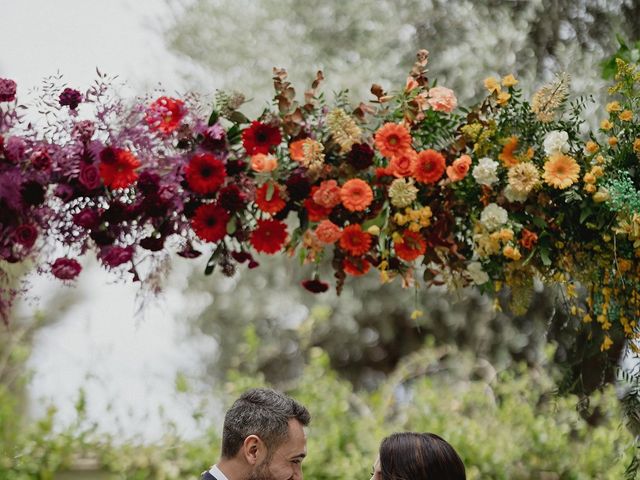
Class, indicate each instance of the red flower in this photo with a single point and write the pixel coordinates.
(210, 222)
(412, 246)
(259, 138)
(315, 286)
(270, 205)
(316, 212)
(118, 169)
(269, 236)
(65, 268)
(164, 115)
(354, 241)
(205, 173)
(429, 166)
(356, 266)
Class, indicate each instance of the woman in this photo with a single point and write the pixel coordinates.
(417, 456)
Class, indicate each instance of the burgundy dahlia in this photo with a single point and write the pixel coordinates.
(70, 98)
(7, 90)
(149, 182)
(65, 268)
(87, 218)
(231, 198)
(360, 156)
(26, 235)
(298, 187)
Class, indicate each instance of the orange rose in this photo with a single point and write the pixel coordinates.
(262, 163)
(459, 169)
(401, 165)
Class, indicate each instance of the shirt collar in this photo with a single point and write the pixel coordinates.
(216, 472)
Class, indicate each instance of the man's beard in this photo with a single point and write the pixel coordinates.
(261, 472)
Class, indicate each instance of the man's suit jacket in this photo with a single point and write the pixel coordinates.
(207, 476)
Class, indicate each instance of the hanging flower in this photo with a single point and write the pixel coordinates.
(205, 173)
(429, 166)
(210, 222)
(328, 232)
(354, 241)
(356, 195)
(403, 164)
(260, 138)
(165, 114)
(356, 266)
(315, 286)
(269, 236)
(411, 247)
(113, 256)
(459, 168)
(118, 168)
(65, 268)
(274, 203)
(392, 139)
(561, 171)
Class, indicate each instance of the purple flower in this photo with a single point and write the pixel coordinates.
(66, 268)
(7, 90)
(70, 98)
(63, 192)
(84, 130)
(26, 235)
(112, 256)
(15, 148)
(87, 218)
(89, 176)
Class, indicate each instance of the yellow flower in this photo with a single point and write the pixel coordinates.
(636, 145)
(416, 314)
(509, 81)
(606, 125)
(592, 147)
(511, 253)
(590, 188)
(589, 178)
(597, 171)
(492, 85)
(374, 230)
(606, 343)
(600, 159)
(561, 171)
(613, 141)
(397, 237)
(601, 196)
(506, 234)
(613, 107)
(626, 116)
(587, 319)
(503, 98)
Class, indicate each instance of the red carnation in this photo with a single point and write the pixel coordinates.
(205, 173)
(210, 222)
(354, 241)
(119, 169)
(269, 236)
(164, 115)
(267, 204)
(316, 212)
(412, 246)
(259, 138)
(315, 286)
(65, 268)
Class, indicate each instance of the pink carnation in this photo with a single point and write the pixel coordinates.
(442, 99)
(328, 232)
(328, 195)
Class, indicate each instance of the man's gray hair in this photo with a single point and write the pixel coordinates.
(262, 412)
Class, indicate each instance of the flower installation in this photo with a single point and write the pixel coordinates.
(409, 185)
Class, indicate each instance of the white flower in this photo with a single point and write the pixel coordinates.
(556, 141)
(514, 195)
(479, 276)
(493, 216)
(485, 171)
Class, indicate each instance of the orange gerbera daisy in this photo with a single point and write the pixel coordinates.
(392, 139)
(356, 266)
(507, 157)
(354, 241)
(429, 166)
(269, 203)
(356, 195)
(561, 171)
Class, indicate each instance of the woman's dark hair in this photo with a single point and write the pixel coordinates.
(419, 456)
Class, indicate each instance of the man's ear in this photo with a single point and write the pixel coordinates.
(253, 449)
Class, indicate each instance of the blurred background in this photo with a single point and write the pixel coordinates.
(113, 380)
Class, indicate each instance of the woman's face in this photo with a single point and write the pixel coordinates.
(376, 474)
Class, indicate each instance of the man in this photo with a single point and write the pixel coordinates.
(263, 438)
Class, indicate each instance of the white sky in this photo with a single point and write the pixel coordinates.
(127, 365)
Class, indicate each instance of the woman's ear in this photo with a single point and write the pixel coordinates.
(253, 449)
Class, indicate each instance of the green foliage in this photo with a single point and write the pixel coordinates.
(511, 427)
